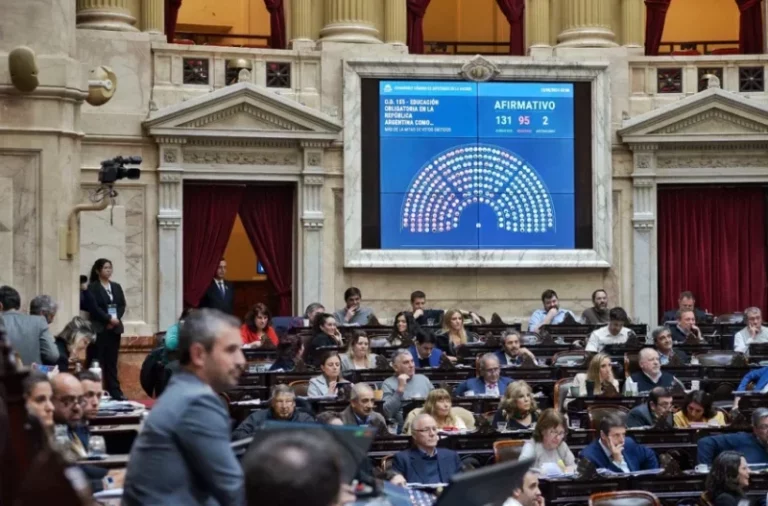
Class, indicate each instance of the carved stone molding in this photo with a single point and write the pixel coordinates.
(710, 162)
(170, 156)
(315, 144)
(479, 69)
(645, 225)
(240, 158)
(643, 161)
(170, 140)
(244, 108)
(314, 159)
(170, 177)
(648, 147)
(717, 115)
(169, 222)
(313, 180)
(312, 223)
(224, 142)
(639, 182)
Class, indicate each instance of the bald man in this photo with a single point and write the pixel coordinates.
(650, 375)
(425, 462)
(361, 410)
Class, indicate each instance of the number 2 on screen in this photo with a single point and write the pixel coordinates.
(546, 120)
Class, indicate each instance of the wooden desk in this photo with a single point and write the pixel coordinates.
(118, 461)
(131, 418)
(119, 438)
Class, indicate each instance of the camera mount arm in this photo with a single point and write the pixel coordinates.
(69, 237)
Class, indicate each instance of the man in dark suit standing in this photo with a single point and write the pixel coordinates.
(221, 294)
(425, 462)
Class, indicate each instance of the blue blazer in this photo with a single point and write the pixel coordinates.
(503, 358)
(759, 376)
(434, 357)
(410, 464)
(743, 442)
(637, 457)
(477, 385)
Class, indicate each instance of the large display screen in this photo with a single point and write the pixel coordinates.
(476, 165)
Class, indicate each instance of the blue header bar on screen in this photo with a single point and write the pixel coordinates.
(427, 88)
(527, 90)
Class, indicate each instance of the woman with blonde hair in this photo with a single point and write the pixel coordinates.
(599, 372)
(518, 408)
(453, 334)
(438, 405)
(358, 355)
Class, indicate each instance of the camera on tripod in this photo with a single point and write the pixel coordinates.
(114, 169)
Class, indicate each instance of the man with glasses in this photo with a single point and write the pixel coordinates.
(282, 408)
(659, 406)
(754, 447)
(490, 383)
(425, 462)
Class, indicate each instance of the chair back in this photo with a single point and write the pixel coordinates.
(599, 411)
(624, 498)
(561, 393)
(465, 415)
(299, 387)
(578, 357)
(507, 450)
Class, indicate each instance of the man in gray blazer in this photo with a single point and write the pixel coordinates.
(182, 456)
(28, 334)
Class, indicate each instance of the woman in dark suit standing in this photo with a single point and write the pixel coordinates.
(106, 317)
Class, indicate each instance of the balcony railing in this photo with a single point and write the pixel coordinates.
(700, 47)
(465, 47)
(222, 39)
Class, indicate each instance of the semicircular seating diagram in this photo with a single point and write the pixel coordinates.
(482, 174)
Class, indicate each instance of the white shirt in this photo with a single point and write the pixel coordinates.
(601, 338)
(492, 391)
(743, 339)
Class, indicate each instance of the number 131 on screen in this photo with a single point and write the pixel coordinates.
(522, 120)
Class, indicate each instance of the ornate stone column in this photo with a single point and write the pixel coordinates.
(312, 220)
(395, 22)
(153, 16)
(539, 20)
(105, 15)
(633, 23)
(301, 21)
(645, 261)
(349, 21)
(586, 23)
(169, 245)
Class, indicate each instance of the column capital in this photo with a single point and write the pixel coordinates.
(99, 15)
(587, 23)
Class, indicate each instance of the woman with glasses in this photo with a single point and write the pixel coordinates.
(548, 447)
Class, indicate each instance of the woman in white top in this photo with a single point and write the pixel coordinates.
(548, 448)
(439, 406)
(600, 371)
(358, 355)
(326, 385)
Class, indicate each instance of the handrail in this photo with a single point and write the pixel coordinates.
(215, 39)
(701, 46)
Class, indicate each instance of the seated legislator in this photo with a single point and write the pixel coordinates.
(327, 383)
(685, 326)
(754, 332)
(686, 302)
(325, 333)
(425, 351)
(403, 330)
(658, 406)
(358, 355)
(598, 313)
(664, 344)
(511, 353)
(600, 371)
(614, 451)
(757, 376)
(353, 313)
(613, 333)
(404, 385)
(360, 410)
(73, 342)
(439, 406)
(453, 334)
(650, 375)
(490, 383)
(282, 408)
(526, 491)
(551, 314)
(420, 313)
(257, 330)
(548, 447)
(753, 446)
(289, 353)
(425, 462)
(518, 407)
(697, 408)
(727, 481)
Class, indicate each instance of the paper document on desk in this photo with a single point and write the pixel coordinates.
(646, 472)
(115, 493)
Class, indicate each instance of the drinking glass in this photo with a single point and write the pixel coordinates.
(97, 446)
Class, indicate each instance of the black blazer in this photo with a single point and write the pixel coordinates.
(213, 298)
(100, 315)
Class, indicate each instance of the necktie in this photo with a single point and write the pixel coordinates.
(221, 287)
(491, 386)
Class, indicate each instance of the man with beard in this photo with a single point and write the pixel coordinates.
(551, 314)
(598, 313)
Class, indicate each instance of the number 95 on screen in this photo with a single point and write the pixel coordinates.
(524, 120)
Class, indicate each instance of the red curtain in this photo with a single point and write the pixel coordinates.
(171, 14)
(655, 15)
(209, 214)
(750, 26)
(514, 11)
(276, 24)
(267, 215)
(712, 242)
(416, 11)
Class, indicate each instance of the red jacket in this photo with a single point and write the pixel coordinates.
(251, 337)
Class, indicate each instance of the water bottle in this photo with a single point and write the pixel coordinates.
(95, 368)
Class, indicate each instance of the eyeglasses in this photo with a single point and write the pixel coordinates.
(426, 429)
(70, 400)
(555, 433)
(493, 369)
